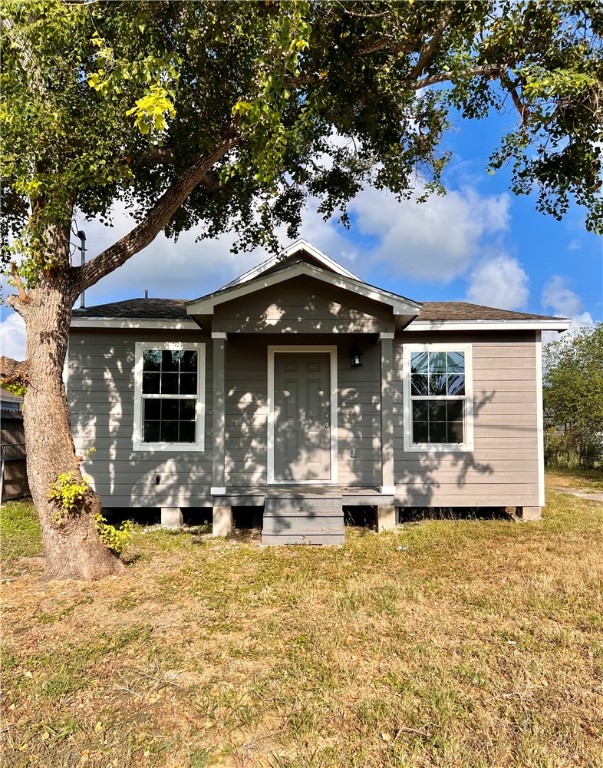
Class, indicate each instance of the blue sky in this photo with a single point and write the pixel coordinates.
(478, 243)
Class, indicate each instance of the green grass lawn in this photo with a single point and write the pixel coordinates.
(449, 643)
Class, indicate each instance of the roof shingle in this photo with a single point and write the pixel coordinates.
(161, 309)
(175, 309)
(462, 310)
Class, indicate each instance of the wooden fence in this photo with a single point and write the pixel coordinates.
(13, 466)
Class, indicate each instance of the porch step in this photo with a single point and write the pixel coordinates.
(303, 519)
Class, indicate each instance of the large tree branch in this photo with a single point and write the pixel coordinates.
(427, 55)
(155, 220)
(488, 70)
(519, 104)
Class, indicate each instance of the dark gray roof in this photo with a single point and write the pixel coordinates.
(161, 309)
(175, 309)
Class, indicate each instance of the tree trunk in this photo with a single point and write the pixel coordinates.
(73, 550)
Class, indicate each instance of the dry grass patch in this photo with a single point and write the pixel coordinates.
(479, 645)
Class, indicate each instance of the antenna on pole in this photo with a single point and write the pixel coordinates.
(82, 249)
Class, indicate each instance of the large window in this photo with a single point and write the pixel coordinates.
(169, 404)
(438, 397)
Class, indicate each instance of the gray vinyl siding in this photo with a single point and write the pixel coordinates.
(303, 305)
(247, 409)
(503, 468)
(359, 425)
(100, 390)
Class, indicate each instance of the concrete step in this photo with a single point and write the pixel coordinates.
(315, 539)
(304, 504)
(303, 520)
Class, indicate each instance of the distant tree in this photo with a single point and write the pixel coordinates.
(229, 115)
(573, 394)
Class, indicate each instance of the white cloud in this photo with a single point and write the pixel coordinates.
(167, 269)
(435, 240)
(559, 298)
(499, 282)
(574, 245)
(12, 336)
(186, 268)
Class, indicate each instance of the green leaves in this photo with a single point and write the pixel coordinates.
(107, 102)
(150, 112)
(573, 384)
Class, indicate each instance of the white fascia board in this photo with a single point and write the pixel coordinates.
(297, 247)
(122, 322)
(304, 245)
(207, 305)
(560, 324)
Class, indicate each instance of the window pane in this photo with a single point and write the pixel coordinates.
(455, 410)
(169, 431)
(419, 384)
(169, 410)
(419, 410)
(418, 362)
(437, 410)
(169, 360)
(187, 431)
(151, 360)
(169, 383)
(188, 383)
(419, 432)
(456, 362)
(437, 362)
(187, 410)
(150, 383)
(150, 432)
(188, 363)
(456, 384)
(152, 410)
(437, 384)
(455, 432)
(437, 431)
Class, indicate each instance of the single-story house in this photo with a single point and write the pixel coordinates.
(300, 389)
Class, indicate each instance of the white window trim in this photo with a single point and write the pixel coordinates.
(199, 444)
(332, 350)
(468, 445)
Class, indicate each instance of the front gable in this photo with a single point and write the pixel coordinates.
(302, 304)
(303, 297)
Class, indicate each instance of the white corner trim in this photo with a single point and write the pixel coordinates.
(332, 351)
(219, 334)
(111, 322)
(137, 442)
(540, 421)
(388, 490)
(560, 324)
(431, 448)
(218, 490)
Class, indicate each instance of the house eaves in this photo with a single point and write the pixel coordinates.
(551, 324)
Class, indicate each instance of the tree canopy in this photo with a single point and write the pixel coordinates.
(229, 116)
(573, 390)
(107, 101)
